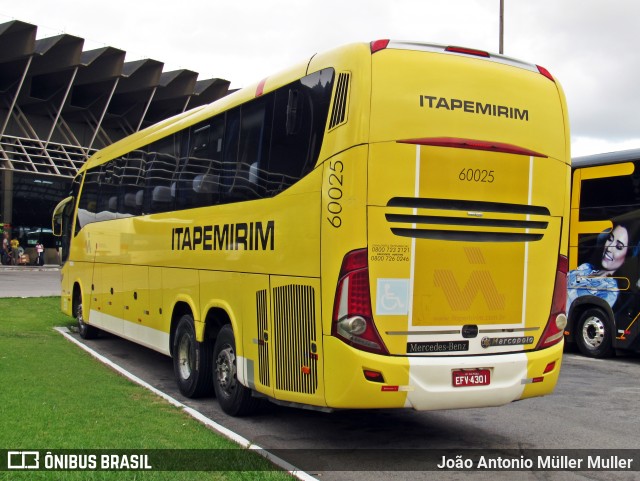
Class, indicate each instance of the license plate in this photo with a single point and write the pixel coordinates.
(471, 377)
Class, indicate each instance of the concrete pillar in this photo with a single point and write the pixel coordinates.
(7, 197)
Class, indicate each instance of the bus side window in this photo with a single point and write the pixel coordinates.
(229, 153)
(132, 187)
(290, 138)
(110, 177)
(162, 159)
(299, 120)
(88, 203)
(199, 176)
(253, 149)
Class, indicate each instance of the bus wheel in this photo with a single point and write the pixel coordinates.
(191, 360)
(234, 398)
(85, 330)
(594, 337)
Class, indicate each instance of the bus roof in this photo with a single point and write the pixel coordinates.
(606, 158)
(296, 71)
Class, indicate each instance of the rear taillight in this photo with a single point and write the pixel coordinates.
(352, 317)
(379, 45)
(468, 51)
(545, 72)
(554, 331)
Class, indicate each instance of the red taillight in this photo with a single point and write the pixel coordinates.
(554, 332)
(473, 144)
(545, 72)
(260, 87)
(468, 51)
(379, 45)
(352, 317)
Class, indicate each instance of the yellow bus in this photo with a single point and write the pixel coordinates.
(603, 305)
(380, 226)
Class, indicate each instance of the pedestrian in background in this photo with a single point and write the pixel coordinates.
(15, 254)
(6, 249)
(40, 251)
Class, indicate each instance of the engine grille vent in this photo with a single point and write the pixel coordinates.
(263, 345)
(294, 328)
(475, 221)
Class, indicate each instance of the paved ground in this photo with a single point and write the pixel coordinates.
(19, 281)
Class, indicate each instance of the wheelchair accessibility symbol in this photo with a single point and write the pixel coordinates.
(392, 297)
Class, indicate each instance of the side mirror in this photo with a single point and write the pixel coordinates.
(57, 221)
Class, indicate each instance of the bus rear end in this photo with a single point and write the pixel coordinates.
(457, 298)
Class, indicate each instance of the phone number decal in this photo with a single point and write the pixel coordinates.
(389, 253)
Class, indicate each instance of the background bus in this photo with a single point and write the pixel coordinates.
(380, 226)
(603, 302)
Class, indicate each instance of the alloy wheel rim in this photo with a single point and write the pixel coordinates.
(593, 332)
(226, 370)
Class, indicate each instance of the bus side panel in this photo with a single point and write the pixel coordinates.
(296, 340)
(181, 286)
(107, 308)
(137, 309)
(66, 287)
(343, 219)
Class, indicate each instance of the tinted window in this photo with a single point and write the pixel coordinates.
(253, 151)
(88, 204)
(243, 176)
(609, 197)
(300, 116)
(198, 181)
(131, 193)
(162, 160)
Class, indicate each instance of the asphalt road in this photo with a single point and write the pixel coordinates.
(595, 408)
(29, 281)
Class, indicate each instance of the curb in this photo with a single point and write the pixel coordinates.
(29, 268)
(210, 423)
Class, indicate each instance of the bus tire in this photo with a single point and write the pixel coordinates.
(594, 335)
(85, 330)
(234, 398)
(191, 360)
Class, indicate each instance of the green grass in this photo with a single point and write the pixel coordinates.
(53, 395)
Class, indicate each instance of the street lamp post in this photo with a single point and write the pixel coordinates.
(501, 26)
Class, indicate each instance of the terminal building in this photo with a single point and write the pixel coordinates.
(59, 104)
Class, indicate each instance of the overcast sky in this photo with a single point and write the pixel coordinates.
(591, 46)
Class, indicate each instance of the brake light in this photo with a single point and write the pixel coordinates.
(379, 45)
(260, 87)
(473, 144)
(467, 51)
(352, 316)
(545, 72)
(554, 332)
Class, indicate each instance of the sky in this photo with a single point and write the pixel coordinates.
(590, 46)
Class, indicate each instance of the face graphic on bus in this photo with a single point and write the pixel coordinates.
(615, 249)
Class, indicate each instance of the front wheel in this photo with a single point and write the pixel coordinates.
(234, 398)
(85, 330)
(594, 336)
(191, 360)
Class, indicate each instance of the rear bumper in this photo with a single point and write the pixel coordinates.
(425, 383)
